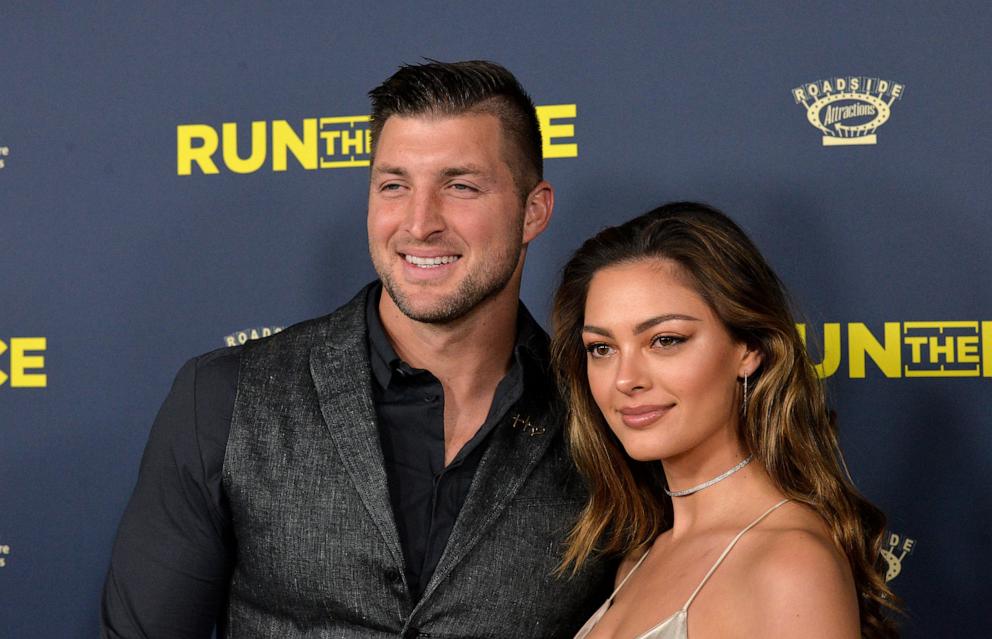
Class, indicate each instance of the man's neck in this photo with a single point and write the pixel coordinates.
(468, 356)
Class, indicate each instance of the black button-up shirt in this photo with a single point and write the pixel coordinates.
(425, 494)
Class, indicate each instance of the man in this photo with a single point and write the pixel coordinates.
(396, 468)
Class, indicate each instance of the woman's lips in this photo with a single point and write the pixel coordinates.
(644, 415)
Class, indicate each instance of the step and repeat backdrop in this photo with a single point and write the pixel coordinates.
(176, 180)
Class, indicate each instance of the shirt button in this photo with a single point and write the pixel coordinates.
(430, 398)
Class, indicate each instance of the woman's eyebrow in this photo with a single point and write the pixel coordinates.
(643, 326)
(654, 321)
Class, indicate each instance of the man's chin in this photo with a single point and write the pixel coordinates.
(433, 309)
(445, 301)
(427, 303)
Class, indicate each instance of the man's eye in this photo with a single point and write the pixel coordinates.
(464, 188)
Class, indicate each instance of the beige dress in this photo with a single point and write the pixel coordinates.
(676, 626)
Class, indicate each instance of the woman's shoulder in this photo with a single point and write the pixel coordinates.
(796, 533)
(796, 578)
(628, 563)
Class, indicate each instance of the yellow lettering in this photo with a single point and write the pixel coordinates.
(21, 362)
(3, 375)
(186, 153)
(330, 137)
(304, 149)
(351, 142)
(799, 95)
(987, 348)
(258, 146)
(937, 349)
(831, 348)
(230, 340)
(861, 343)
(549, 131)
(916, 344)
(968, 349)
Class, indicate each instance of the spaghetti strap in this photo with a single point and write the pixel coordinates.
(726, 551)
(627, 576)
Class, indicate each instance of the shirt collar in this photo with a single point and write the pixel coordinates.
(530, 347)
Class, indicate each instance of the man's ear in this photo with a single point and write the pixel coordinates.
(537, 210)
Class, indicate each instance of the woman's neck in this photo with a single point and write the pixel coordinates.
(725, 502)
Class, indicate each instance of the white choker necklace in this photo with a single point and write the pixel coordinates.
(707, 484)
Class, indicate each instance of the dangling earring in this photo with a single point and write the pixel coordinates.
(744, 410)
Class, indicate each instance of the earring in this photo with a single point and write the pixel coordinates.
(744, 409)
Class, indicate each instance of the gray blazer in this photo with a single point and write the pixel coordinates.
(318, 553)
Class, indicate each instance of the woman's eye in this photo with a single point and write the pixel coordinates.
(599, 349)
(666, 341)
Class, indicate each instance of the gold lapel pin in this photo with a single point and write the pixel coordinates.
(523, 423)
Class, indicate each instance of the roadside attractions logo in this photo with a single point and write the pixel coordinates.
(25, 363)
(248, 334)
(320, 143)
(904, 349)
(894, 550)
(848, 110)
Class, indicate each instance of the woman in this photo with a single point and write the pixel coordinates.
(674, 342)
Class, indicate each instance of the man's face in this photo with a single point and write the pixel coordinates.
(446, 222)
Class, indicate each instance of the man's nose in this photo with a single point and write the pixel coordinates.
(424, 216)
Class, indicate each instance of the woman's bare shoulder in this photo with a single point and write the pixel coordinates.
(627, 564)
(797, 580)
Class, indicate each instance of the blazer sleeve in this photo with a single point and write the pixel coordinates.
(173, 555)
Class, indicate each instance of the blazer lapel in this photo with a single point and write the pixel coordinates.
(339, 364)
(518, 444)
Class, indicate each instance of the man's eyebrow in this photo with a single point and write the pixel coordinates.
(450, 172)
(389, 170)
(468, 169)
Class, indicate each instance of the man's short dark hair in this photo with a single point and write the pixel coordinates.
(460, 88)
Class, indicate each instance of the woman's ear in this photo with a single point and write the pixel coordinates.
(751, 360)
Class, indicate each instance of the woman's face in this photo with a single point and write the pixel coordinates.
(662, 367)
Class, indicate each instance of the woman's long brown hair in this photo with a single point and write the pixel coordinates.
(787, 425)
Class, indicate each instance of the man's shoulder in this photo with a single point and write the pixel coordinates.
(220, 368)
(345, 322)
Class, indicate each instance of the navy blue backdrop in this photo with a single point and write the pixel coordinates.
(852, 140)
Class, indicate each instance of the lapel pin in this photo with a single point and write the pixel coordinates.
(526, 426)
